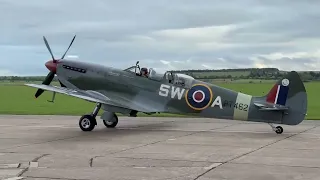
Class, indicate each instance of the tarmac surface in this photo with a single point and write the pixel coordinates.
(54, 147)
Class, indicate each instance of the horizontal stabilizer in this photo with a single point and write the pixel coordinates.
(270, 107)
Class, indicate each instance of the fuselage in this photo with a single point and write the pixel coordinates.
(196, 97)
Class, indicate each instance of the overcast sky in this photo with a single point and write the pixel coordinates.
(165, 34)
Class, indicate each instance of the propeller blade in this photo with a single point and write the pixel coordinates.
(49, 78)
(69, 47)
(48, 47)
(39, 92)
(46, 81)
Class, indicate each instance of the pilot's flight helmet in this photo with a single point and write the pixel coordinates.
(144, 70)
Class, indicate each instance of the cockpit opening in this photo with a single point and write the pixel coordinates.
(144, 72)
(177, 79)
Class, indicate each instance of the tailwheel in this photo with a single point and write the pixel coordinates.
(279, 130)
(87, 122)
(112, 122)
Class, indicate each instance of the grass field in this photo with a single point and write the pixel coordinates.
(18, 99)
(226, 73)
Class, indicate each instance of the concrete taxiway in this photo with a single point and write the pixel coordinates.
(54, 147)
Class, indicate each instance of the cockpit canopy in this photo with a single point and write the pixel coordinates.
(153, 75)
(168, 77)
(173, 78)
(183, 80)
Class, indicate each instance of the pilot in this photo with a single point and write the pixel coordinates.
(144, 72)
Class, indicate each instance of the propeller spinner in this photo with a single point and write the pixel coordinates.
(51, 65)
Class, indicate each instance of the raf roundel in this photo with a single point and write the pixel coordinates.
(199, 96)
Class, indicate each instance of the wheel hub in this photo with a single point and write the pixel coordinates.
(85, 123)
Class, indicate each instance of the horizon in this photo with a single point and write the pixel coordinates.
(190, 70)
(169, 35)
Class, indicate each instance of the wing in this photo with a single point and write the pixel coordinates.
(270, 107)
(96, 97)
(75, 93)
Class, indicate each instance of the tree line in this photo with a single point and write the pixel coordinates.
(249, 73)
(23, 78)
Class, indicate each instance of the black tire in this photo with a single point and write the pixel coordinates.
(109, 124)
(279, 130)
(87, 123)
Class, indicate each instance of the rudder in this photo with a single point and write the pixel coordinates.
(290, 92)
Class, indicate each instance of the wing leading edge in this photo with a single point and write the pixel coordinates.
(97, 97)
(75, 93)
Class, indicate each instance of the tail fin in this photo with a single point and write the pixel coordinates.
(290, 92)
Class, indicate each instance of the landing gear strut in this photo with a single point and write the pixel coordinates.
(88, 122)
(278, 129)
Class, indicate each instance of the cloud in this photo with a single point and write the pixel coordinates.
(198, 34)
(296, 60)
(72, 57)
(180, 34)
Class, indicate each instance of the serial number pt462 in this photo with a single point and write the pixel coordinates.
(240, 106)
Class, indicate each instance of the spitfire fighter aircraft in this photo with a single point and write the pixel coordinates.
(132, 90)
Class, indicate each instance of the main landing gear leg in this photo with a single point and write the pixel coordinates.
(88, 122)
(278, 129)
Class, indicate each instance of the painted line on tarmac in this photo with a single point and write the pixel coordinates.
(25, 127)
(214, 165)
(14, 178)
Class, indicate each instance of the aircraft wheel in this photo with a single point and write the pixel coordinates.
(87, 123)
(279, 130)
(110, 124)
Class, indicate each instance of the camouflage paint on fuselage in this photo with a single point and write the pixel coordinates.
(216, 101)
